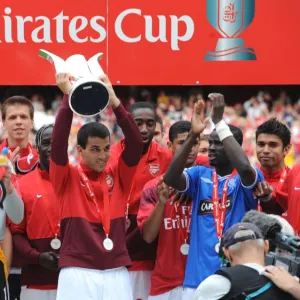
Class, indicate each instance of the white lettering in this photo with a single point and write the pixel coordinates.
(8, 26)
(118, 26)
(184, 210)
(98, 28)
(168, 222)
(74, 30)
(44, 29)
(188, 21)
(21, 27)
(60, 18)
(162, 35)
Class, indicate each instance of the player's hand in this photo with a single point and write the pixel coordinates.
(281, 278)
(218, 106)
(49, 261)
(113, 99)
(197, 124)
(6, 179)
(15, 155)
(163, 191)
(64, 82)
(181, 198)
(262, 190)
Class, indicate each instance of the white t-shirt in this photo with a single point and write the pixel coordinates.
(217, 286)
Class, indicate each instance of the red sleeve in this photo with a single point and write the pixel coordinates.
(59, 165)
(133, 140)
(28, 254)
(148, 200)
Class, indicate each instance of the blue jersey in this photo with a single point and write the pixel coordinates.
(203, 259)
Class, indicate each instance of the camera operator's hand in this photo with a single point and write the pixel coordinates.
(282, 279)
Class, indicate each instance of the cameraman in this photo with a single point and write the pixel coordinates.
(286, 282)
(245, 248)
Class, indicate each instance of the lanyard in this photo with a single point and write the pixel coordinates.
(219, 211)
(105, 217)
(184, 231)
(55, 228)
(282, 179)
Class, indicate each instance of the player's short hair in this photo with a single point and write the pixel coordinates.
(273, 126)
(39, 135)
(160, 121)
(14, 100)
(139, 105)
(178, 128)
(204, 137)
(92, 129)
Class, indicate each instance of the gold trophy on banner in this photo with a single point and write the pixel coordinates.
(88, 96)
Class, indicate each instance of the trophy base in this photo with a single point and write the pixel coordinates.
(230, 49)
(88, 97)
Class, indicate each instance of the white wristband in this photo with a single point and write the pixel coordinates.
(223, 130)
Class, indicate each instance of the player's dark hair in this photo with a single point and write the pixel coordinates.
(237, 134)
(39, 135)
(273, 126)
(92, 129)
(17, 100)
(160, 121)
(178, 128)
(139, 105)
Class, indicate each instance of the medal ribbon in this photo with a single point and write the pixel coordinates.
(105, 217)
(219, 211)
(41, 185)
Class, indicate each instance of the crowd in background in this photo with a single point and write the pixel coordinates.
(247, 115)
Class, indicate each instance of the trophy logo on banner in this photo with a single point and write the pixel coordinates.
(230, 18)
(88, 96)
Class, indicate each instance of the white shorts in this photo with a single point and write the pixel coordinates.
(140, 284)
(33, 294)
(179, 293)
(88, 284)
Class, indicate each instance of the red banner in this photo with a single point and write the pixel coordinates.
(213, 42)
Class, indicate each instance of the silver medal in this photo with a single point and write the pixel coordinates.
(184, 249)
(217, 247)
(55, 243)
(108, 244)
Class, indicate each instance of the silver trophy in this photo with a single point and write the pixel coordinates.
(88, 96)
(230, 18)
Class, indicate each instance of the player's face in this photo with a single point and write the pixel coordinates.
(203, 147)
(145, 120)
(178, 142)
(158, 135)
(270, 151)
(45, 147)
(18, 122)
(96, 153)
(216, 152)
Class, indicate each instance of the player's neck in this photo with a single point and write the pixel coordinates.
(271, 169)
(224, 170)
(13, 143)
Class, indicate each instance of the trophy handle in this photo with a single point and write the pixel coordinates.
(59, 64)
(94, 65)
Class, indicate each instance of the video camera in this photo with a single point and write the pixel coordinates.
(285, 253)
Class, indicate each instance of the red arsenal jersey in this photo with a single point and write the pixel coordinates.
(289, 196)
(170, 263)
(39, 226)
